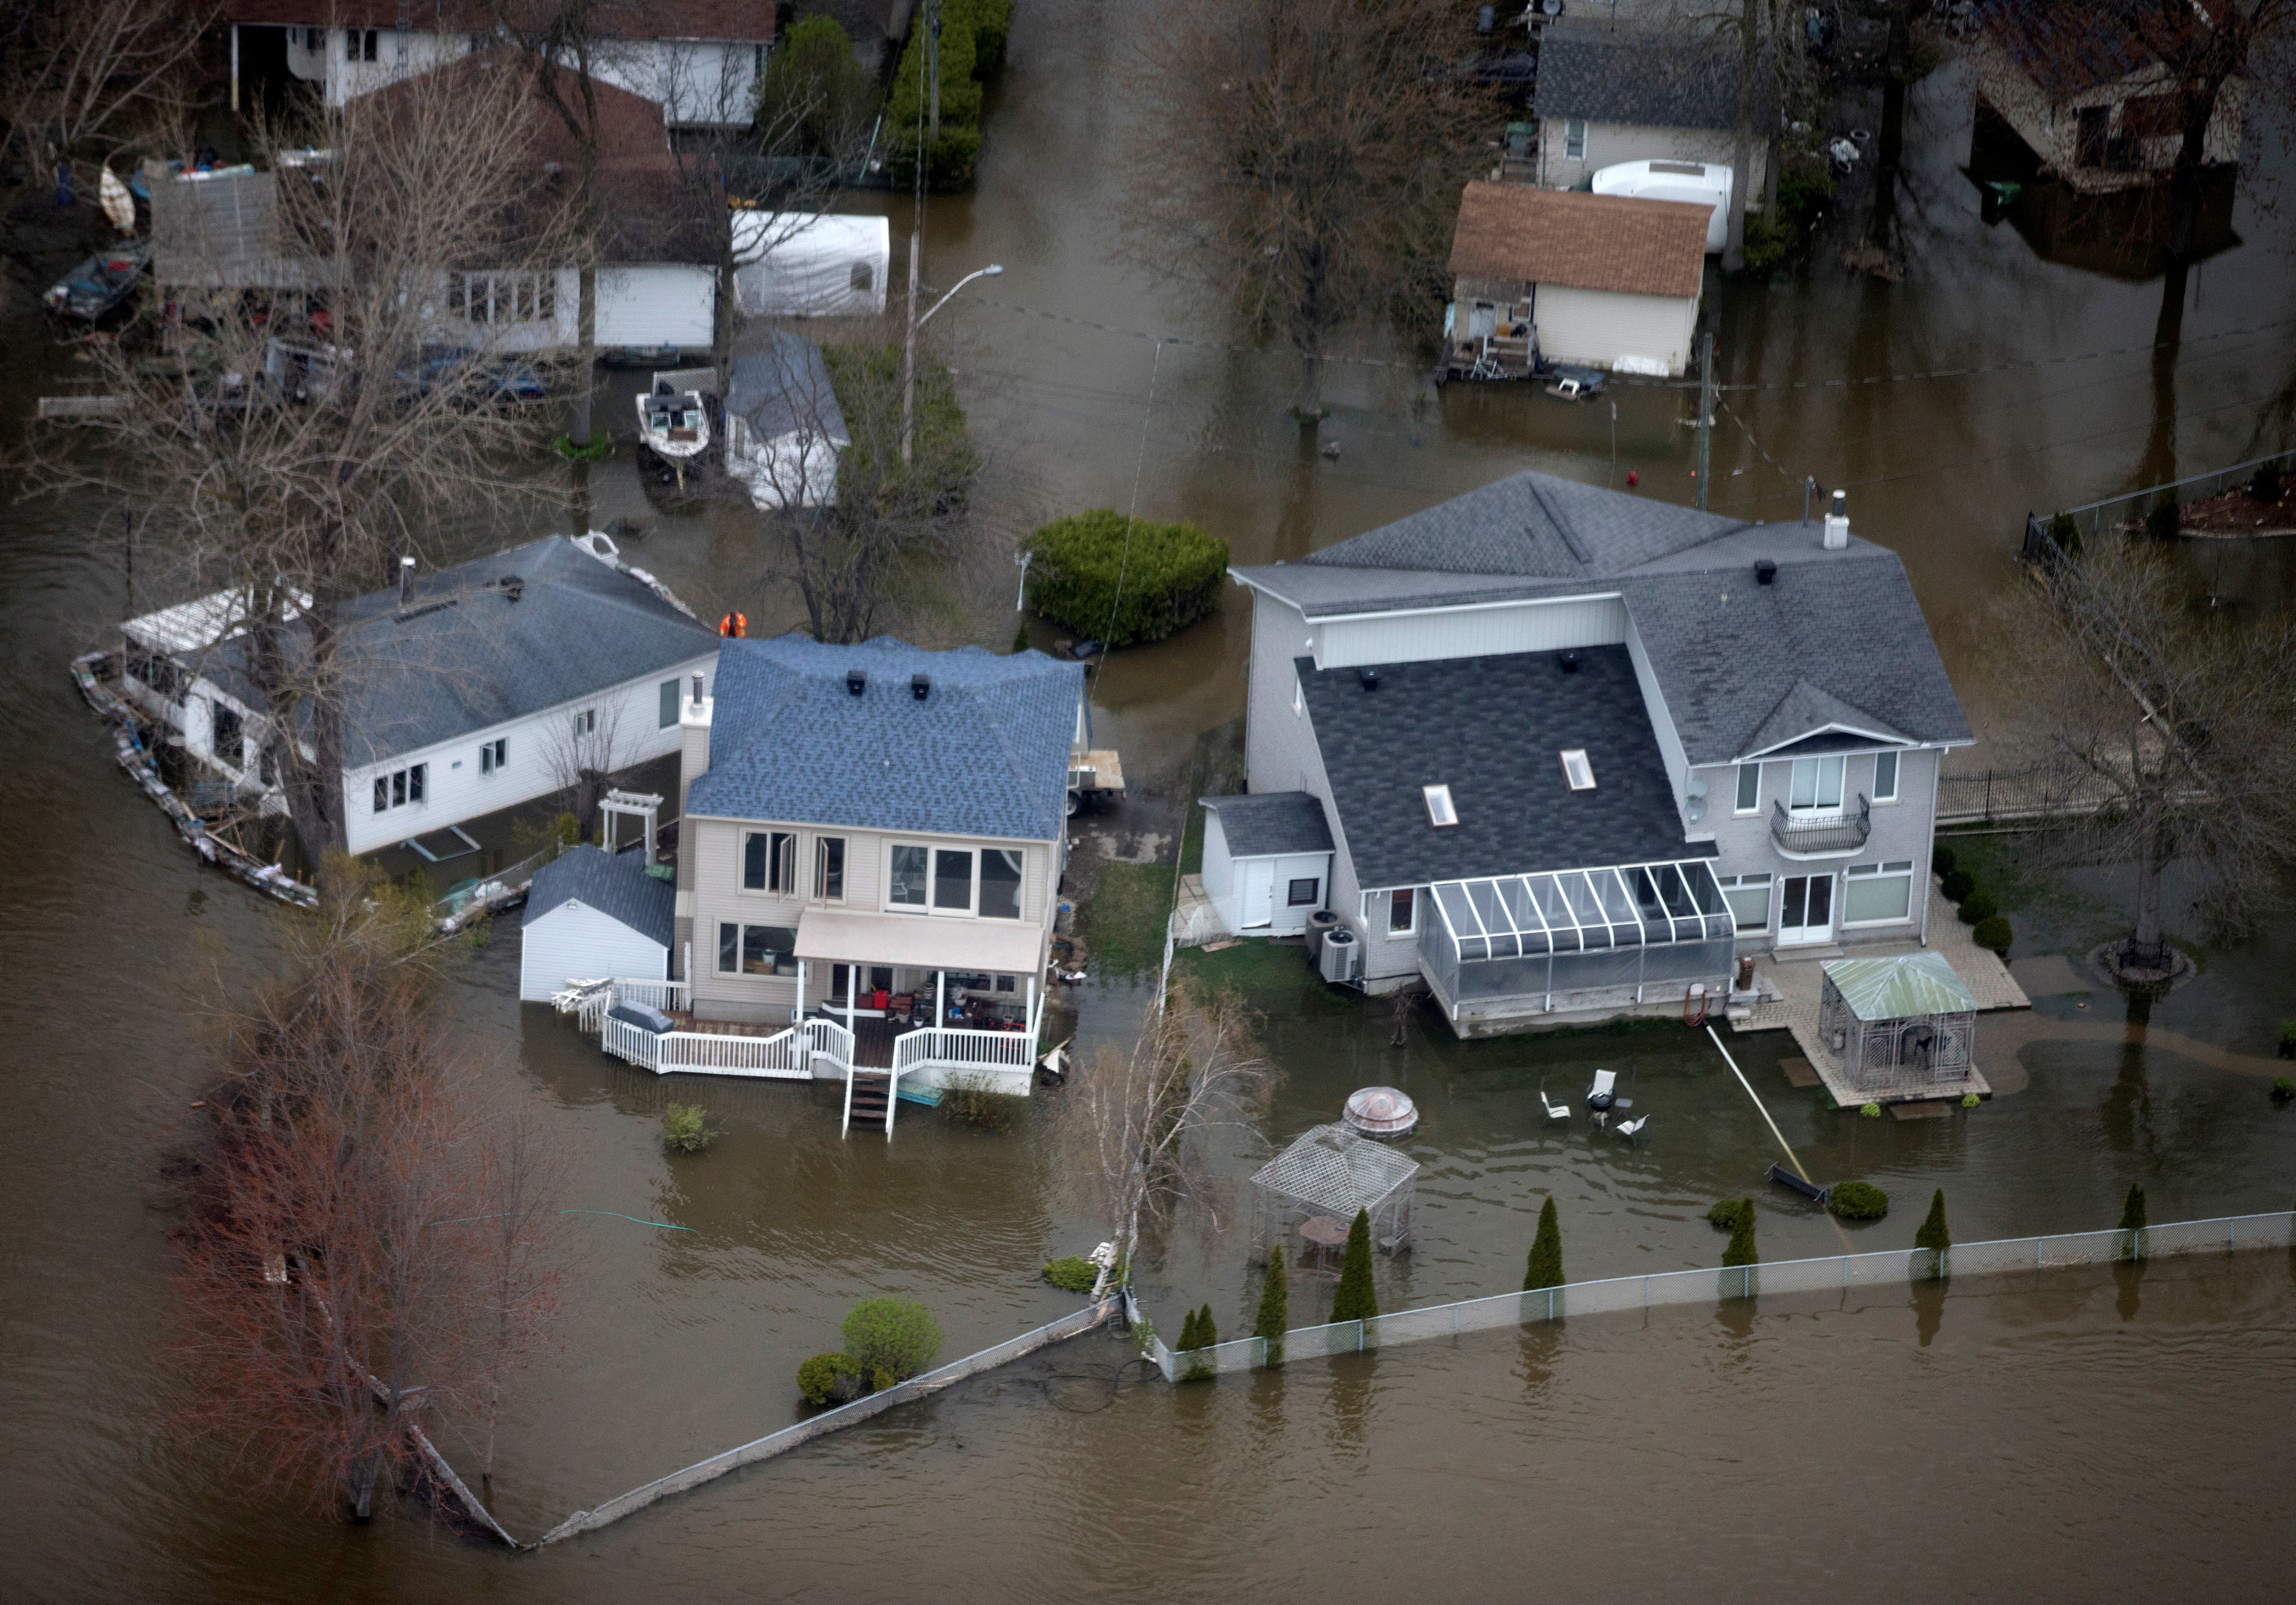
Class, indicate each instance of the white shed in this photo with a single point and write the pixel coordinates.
(590, 915)
(1267, 860)
(783, 428)
(816, 265)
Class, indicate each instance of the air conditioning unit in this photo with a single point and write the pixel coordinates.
(1321, 923)
(1341, 958)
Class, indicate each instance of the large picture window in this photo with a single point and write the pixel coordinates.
(1816, 783)
(904, 884)
(1749, 897)
(1000, 884)
(1875, 894)
(748, 949)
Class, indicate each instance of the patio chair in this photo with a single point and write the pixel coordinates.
(1554, 1111)
(1603, 1092)
(1633, 1129)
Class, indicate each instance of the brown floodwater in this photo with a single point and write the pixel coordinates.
(2080, 1434)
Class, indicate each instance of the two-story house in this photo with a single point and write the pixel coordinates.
(1576, 749)
(872, 838)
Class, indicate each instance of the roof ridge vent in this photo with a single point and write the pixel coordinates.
(1569, 535)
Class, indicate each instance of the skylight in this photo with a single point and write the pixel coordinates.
(1576, 771)
(1439, 805)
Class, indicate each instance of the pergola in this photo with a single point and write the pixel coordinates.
(1331, 1172)
(1627, 926)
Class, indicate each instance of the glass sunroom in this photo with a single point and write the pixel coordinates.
(1577, 938)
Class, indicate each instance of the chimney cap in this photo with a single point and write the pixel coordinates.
(1370, 679)
(857, 681)
(921, 686)
(1569, 659)
(697, 687)
(1764, 571)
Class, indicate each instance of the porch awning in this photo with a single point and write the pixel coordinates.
(918, 942)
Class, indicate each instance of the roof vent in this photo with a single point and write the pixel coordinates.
(857, 681)
(1764, 571)
(405, 580)
(1569, 660)
(1370, 678)
(1837, 523)
(921, 686)
(512, 586)
(697, 687)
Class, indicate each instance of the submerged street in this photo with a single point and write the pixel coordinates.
(1979, 1439)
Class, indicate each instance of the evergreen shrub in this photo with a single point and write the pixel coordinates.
(1958, 883)
(1872, 1111)
(1072, 1273)
(2065, 530)
(685, 1128)
(1170, 578)
(2162, 523)
(1274, 1307)
(1933, 1233)
(1355, 1299)
(1858, 1200)
(1993, 932)
(1978, 905)
(2288, 1039)
(896, 1337)
(1942, 859)
(1724, 1215)
(2282, 1088)
(1544, 1269)
(2132, 1211)
(1740, 1250)
(1970, 1100)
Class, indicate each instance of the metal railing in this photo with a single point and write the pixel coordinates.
(1992, 795)
(1841, 1273)
(2094, 518)
(1840, 833)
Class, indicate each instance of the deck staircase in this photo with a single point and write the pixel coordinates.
(868, 1100)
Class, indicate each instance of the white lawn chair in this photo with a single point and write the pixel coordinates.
(1554, 1111)
(1603, 1092)
(1633, 1128)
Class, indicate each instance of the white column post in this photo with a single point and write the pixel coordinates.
(796, 1015)
(235, 69)
(1032, 1015)
(941, 999)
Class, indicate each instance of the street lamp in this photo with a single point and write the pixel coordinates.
(909, 378)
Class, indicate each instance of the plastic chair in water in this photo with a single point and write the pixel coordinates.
(1633, 1129)
(1554, 1111)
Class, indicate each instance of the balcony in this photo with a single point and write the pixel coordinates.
(1827, 835)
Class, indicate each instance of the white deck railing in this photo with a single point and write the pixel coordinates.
(954, 1047)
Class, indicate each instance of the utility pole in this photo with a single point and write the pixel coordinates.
(932, 57)
(909, 351)
(1705, 412)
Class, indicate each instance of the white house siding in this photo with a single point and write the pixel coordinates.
(658, 306)
(1463, 633)
(1228, 882)
(1596, 327)
(1609, 144)
(799, 467)
(455, 790)
(578, 941)
(399, 54)
(1279, 745)
(698, 82)
(1901, 831)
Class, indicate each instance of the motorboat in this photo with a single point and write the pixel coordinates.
(101, 282)
(674, 424)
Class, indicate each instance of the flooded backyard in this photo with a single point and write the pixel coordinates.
(2086, 1432)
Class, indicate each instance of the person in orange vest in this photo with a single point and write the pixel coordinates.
(734, 624)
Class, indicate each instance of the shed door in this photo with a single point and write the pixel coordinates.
(1258, 901)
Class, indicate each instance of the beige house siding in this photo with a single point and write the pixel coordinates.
(2053, 130)
(1596, 327)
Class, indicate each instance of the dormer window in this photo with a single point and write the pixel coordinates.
(1576, 771)
(1439, 811)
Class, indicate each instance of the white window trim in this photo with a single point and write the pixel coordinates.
(820, 856)
(740, 941)
(1439, 801)
(765, 893)
(1387, 918)
(1875, 873)
(1820, 810)
(1736, 770)
(1768, 881)
(1574, 132)
(1896, 780)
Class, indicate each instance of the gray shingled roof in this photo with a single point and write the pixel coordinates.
(464, 657)
(785, 388)
(1624, 75)
(1271, 824)
(985, 752)
(615, 884)
(1493, 729)
(1838, 638)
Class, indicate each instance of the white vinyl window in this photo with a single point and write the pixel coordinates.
(908, 869)
(492, 755)
(1000, 882)
(1749, 897)
(400, 787)
(748, 949)
(1885, 777)
(508, 298)
(1574, 138)
(769, 862)
(1439, 809)
(828, 869)
(1816, 783)
(1576, 770)
(1402, 911)
(1878, 893)
(1749, 788)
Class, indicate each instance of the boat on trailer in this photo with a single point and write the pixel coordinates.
(674, 425)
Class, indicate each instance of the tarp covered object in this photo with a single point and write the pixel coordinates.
(816, 265)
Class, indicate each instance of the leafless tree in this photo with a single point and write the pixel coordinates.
(1135, 1132)
(79, 80)
(1303, 159)
(363, 1249)
(2179, 718)
(307, 423)
(582, 753)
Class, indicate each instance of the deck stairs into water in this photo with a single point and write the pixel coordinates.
(869, 1100)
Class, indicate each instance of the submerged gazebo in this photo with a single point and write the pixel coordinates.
(1329, 1173)
(1902, 1024)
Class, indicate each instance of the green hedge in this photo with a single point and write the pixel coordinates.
(1978, 906)
(1858, 1200)
(971, 46)
(1072, 1274)
(1169, 579)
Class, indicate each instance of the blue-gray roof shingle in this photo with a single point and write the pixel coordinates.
(615, 884)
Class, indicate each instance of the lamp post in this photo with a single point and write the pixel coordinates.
(909, 377)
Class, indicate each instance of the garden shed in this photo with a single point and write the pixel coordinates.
(592, 915)
(1322, 1179)
(1903, 1023)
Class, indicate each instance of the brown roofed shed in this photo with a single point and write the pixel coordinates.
(1511, 233)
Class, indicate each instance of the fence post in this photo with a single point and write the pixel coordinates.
(1359, 1335)
(1454, 1323)
(1550, 1303)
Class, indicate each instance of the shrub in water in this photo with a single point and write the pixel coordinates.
(1274, 1307)
(2264, 484)
(1970, 1100)
(1872, 1111)
(971, 1100)
(1933, 1233)
(1207, 1329)
(1355, 1300)
(1724, 1215)
(817, 1378)
(1169, 578)
(2288, 1039)
(1074, 1273)
(1958, 883)
(892, 1336)
(1978, 906)
(1020, 637)
(1545, 1267)
(2065, 530)
(2282, 1088)
(1740, 1250)
(2162, 521)
(1993, 932)
(1858, 1200)
(685, 1128)
(1187, 1333)
(2132, 1211)
(1942, 859)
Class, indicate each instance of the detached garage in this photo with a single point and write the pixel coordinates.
(1602, 281)
(590, 915)
(1267, 860)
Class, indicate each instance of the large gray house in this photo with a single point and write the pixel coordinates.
(1575, 749)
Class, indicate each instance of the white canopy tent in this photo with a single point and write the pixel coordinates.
(814, 265)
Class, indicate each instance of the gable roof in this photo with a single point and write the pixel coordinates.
(1585, 242)
(785, 389)
(1624, 75)
(1271, 824)
(616, 884)
(1728, 654)
(1494, 731)
(985, 752)
(474, 650)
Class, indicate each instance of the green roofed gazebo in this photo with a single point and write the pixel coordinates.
(1906, 1023)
